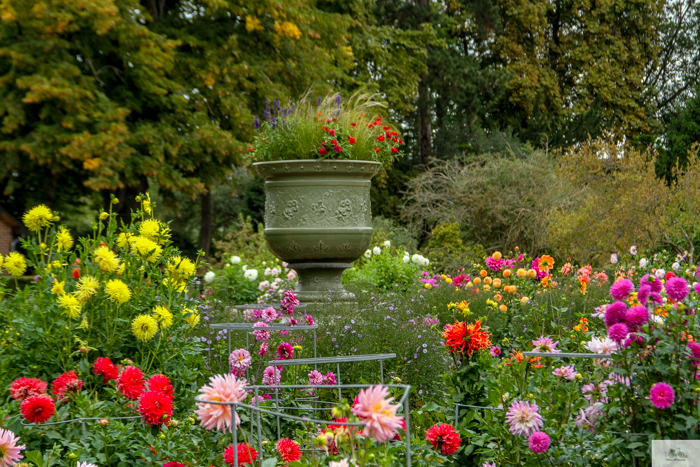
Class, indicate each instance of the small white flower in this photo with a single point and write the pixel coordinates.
(376, 250)
(656, 318)
(368, 254)
(676, 266)
(275, 285)
(660, 273)
(387, 244)
(268, 271)
(235, 259)
(227, 265)
(505, 396)
(341, 463)
(613, 258)
(426, 261)
(85, 464)
(209, 277)
(277, 280)
(643, 263)
(263, 286)
(633, 250)
(244, 267)
(251, 274)
(284, 264)
(418, 259)
(275, 271)
(406, 259)
(291, 275)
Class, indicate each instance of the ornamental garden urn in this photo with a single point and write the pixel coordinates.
(318, 218)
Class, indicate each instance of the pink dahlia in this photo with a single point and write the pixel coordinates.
(9, 451)
(694, 348)
(377, 413)
(615, 313)
(495, 351)
(636, 317)
(315, 378)
(621, 289)
(222, 388)
(261, 334)
(652, 281)
(285, 351)
(661, 395)
(240, 361)
(566, 372)
(289, 302)
(269, 314)
(524, 418)
(546, 345)
(22, 388)
(496, 265)
(538, 442)
(272, 376)
(264, 349)
(677, 288)
(618, 332)
(329, 379)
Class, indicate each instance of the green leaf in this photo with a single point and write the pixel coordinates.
(271, 462)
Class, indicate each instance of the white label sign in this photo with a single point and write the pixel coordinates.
(675, 453)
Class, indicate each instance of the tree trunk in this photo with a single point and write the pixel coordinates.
(205, 229)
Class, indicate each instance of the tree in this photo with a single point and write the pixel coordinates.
(681, 133)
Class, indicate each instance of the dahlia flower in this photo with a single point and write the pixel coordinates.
(104, 366)
(67, 382)
(262, 334)
(222, 388)
(64, 240)
(466, 338)
(130, 383)
(288, 450)
(9, 451)
(38, 217)
(285, 351)
(22, 388)
(677, 288)
(621, 289)
(246, 454)
(618, 332)
(377, 413)
(587, 419)
(538, 442)
(272, 376)
(240, 361)
(636, 317)
(615, 313)
(329, 378)
(145, 248)
(651, 281)
(524, 418)
(601, 346)
(444, 438)
(160, 383)
(269, 314)
(144, 327)
(106, 259)
(37, 409)
(662, 395)
(315, 378)
(155, 407)
(567, 372)
(163, 316)
(15, 263)
(545, 344)
(694, 348)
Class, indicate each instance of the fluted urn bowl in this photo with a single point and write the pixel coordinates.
(318, 218)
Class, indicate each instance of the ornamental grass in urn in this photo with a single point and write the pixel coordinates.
(318, 157)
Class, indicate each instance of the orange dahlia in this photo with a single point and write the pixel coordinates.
(466, 338)
(545, 263)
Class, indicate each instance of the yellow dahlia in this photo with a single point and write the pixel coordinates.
(125, 239)
(15, 264)
(155, 230)
(164, 317)
(180, 269)
(144, 327)
(191, 316)
(58, 287)
(117, 291)
(70, 305)
(179, 286)
(38, 217)
(1, 260)
(146, 249)
(64, 240)
(87, 287)
(106, 259)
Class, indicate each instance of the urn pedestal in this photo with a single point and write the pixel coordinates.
(318, 218)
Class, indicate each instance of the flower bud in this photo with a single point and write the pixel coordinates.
(103, 422)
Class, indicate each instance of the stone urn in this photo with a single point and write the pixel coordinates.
(318, 218)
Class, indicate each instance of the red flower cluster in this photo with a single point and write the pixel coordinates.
(37, 409)
(288, 450)
(173, 464)
(466, 338)
(246, 454)
(67, 382)
(104, 366)
(444, 438)
(161, 383)
(22, 388)
(130, 383)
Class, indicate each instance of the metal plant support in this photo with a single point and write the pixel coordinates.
(82, 422)
(256, 411)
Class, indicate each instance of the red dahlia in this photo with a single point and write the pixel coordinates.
(173, 464)
(104, 366)
(160, 383)
(37, 409)
(21, 388)
(130, 383)
(444, 438)
(155, 407)
(288, 450)
(67, 382)
(246, 454)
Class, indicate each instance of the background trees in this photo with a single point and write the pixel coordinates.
(124, 95)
